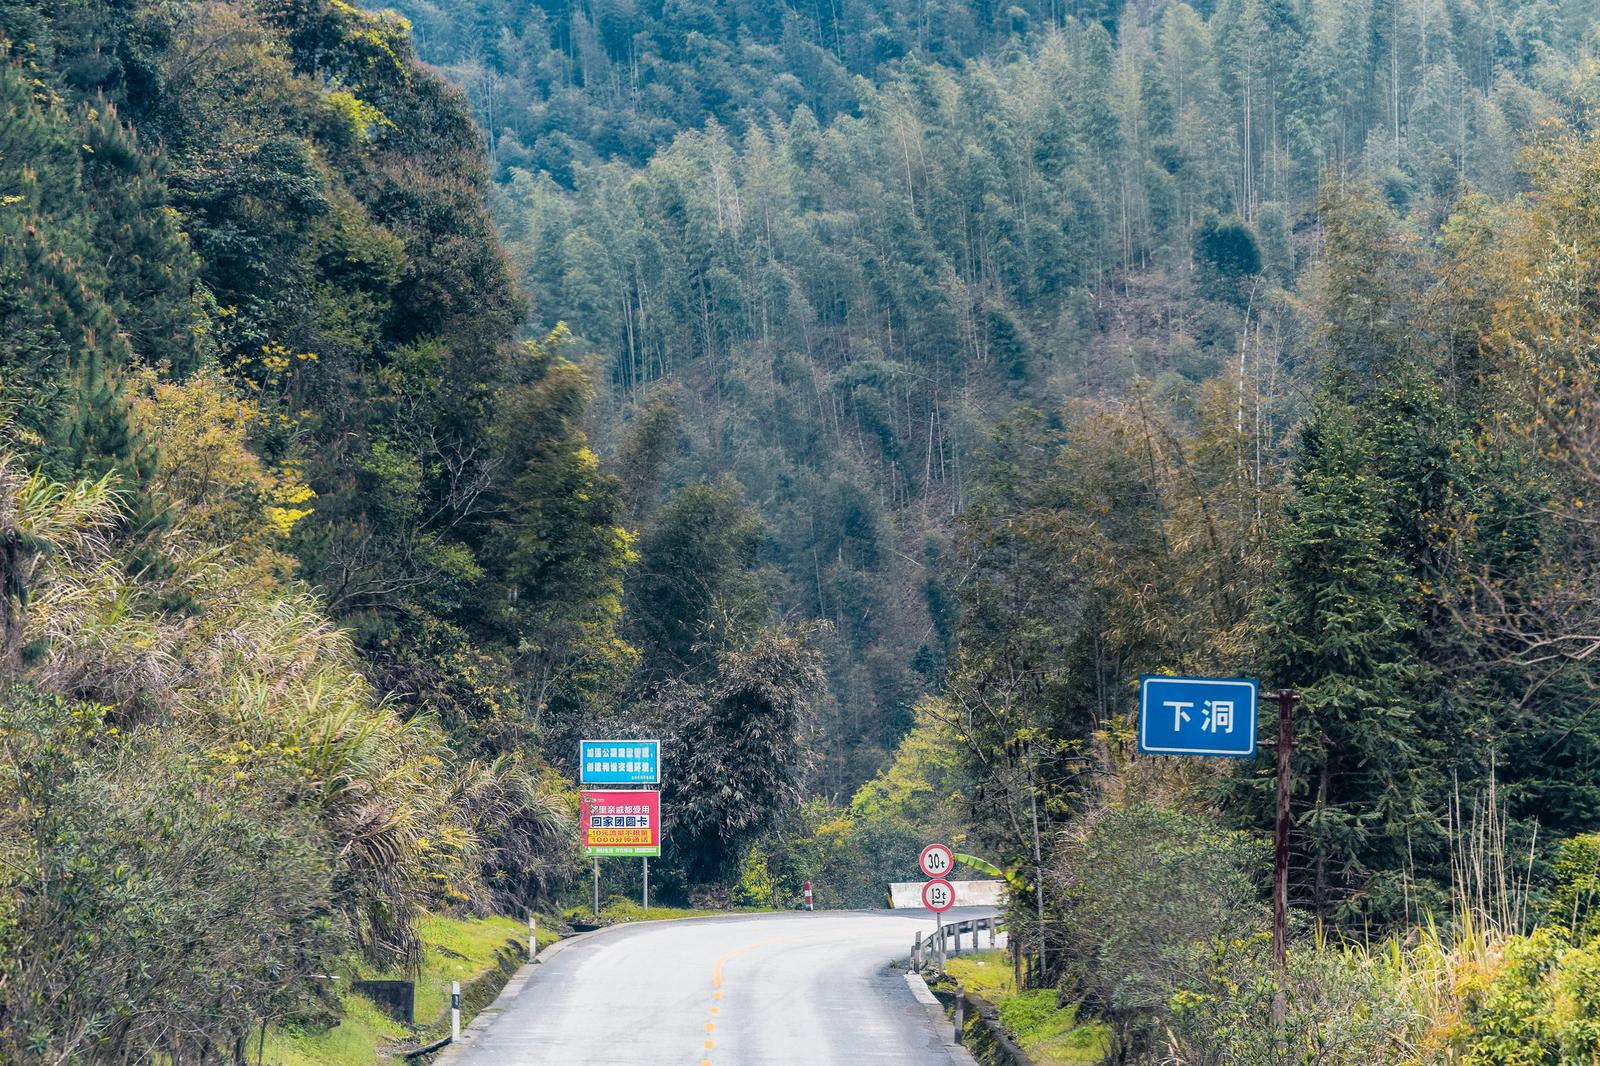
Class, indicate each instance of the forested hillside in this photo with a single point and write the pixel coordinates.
(860, 398)
(834, 296)
(1075, 345)
(307, 561)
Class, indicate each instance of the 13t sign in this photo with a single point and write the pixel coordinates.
(1197, 716)
(938, 895)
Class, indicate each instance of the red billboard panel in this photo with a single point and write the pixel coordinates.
(620, 821)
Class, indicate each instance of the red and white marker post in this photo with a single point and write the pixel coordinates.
(807, 890)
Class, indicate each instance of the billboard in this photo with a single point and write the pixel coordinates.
(619, 762)
(620, 821)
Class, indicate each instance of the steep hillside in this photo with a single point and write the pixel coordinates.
(836, 298)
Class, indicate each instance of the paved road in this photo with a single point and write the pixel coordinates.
(759, 990)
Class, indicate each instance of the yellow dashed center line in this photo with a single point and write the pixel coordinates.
(716, 976)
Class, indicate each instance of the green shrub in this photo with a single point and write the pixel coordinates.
(756, 887)
(1575, 890)
(144, 899)
(1152, 896)
(1575, 1002)
(1029, 1012)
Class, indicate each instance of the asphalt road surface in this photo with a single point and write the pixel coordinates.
(792, 989)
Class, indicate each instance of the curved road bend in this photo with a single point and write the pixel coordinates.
(791, 989)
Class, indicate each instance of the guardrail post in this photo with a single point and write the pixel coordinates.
(993, 921)
(455, 1010)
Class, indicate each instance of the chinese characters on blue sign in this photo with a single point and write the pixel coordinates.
(1197, 716)
(620, 762)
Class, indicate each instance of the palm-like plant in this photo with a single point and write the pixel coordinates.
(41, 519)
(254, 675)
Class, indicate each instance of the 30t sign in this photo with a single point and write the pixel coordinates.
(936, 860)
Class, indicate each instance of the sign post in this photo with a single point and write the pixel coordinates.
(939, 896)
(1216, 716)
(1280, 847)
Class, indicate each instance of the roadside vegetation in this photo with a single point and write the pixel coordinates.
(863, 398)
(361, 1032)
(1048, 1030)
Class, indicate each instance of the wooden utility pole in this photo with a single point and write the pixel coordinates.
(1280, 845)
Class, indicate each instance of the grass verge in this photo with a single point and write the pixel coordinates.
(454, 950)
(1052, 1035)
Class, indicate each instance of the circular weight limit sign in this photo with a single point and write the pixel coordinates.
(938, 895)
(936, 860)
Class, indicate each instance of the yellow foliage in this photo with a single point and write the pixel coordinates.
(226, 497)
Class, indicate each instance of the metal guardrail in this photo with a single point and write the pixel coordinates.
(946, 940)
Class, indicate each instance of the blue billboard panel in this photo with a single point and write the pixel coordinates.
(619, 762)
(1197, 716)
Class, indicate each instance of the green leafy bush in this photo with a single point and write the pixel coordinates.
(1575, 886)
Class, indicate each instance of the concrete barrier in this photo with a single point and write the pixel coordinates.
(907, 895)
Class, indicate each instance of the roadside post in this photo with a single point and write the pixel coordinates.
(625, 821)
(939, 896)
(533, 937)
(455, 1010)
(806, 890)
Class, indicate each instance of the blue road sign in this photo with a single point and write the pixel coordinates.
(619, 762)
(1197, 716)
